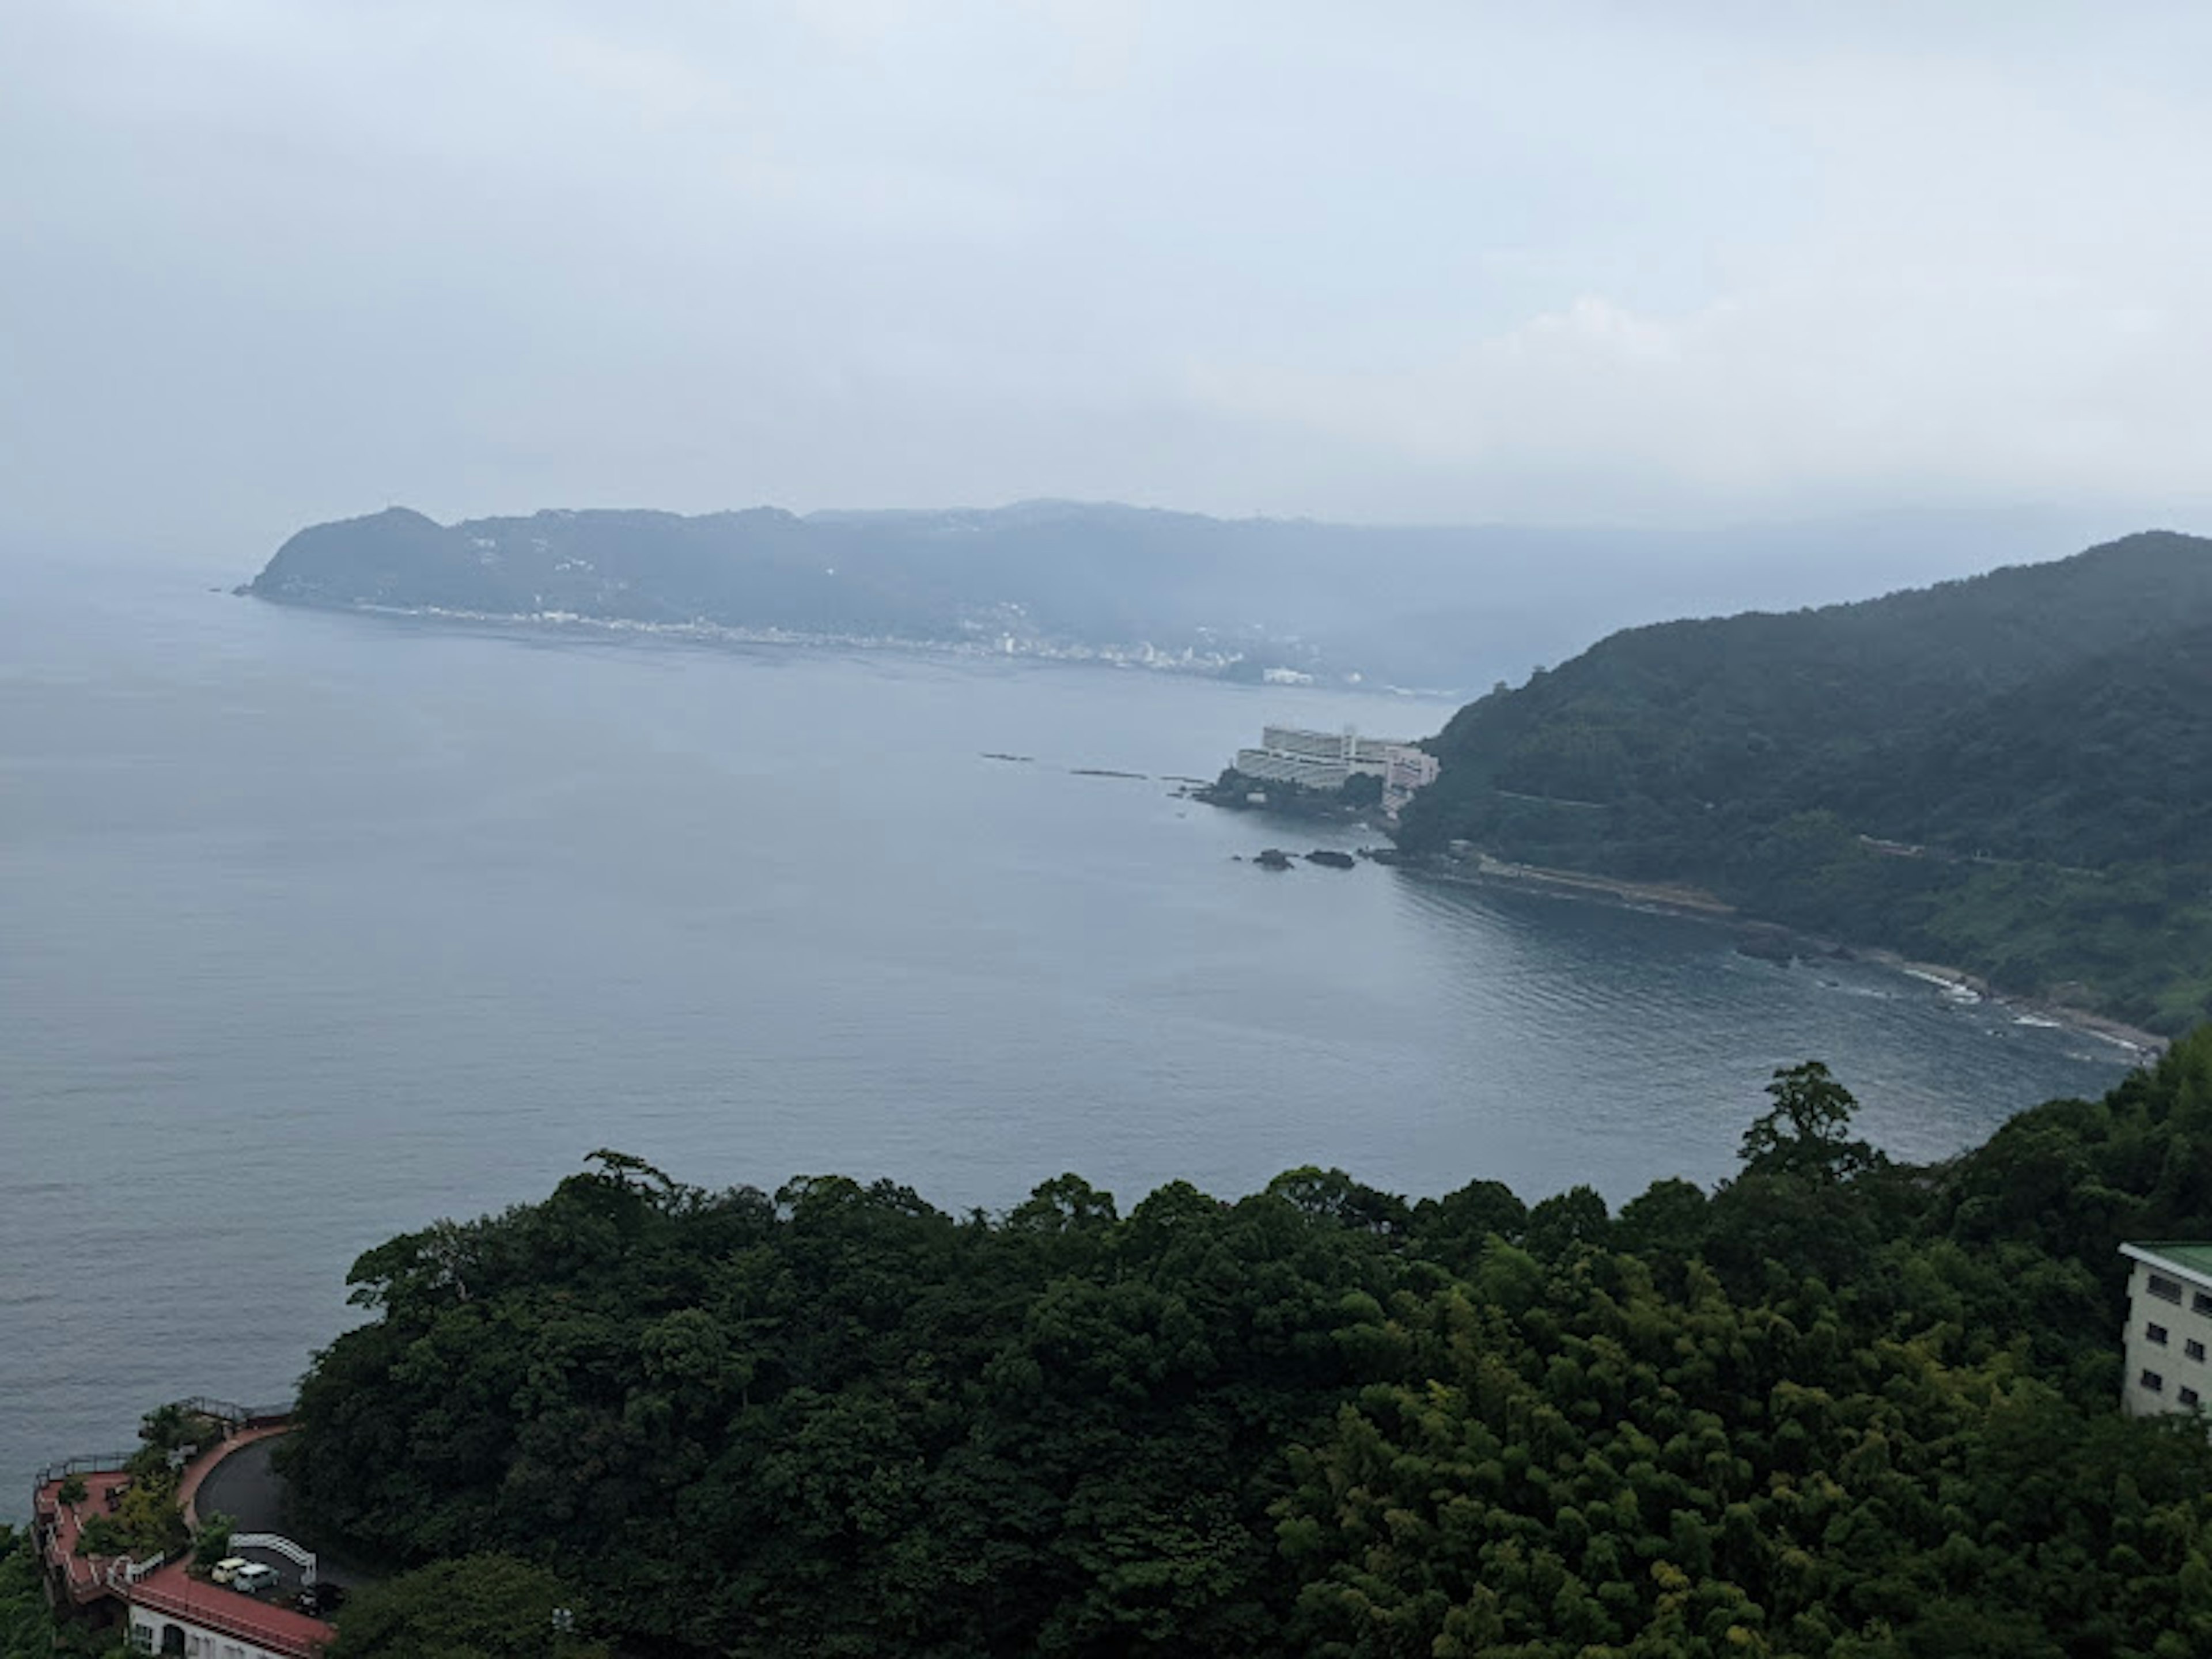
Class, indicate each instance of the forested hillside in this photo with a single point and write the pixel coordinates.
(26, 1626)
(1838, 1408)
(1438, 606)
(2032, 748)
(1047, 577)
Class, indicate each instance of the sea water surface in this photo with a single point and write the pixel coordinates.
(317, 928)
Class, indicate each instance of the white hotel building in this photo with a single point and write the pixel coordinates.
(1325, 760)
(2169, 1327)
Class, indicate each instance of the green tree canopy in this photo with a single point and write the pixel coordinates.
(1836, 1408)
(478, 1607)
(1804, 1134)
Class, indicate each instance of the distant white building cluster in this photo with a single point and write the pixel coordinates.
(1326, 760)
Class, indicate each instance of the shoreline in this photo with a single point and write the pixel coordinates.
(1124, 657)
(2142, 1048)
(1670, 898)
(2146, 1046)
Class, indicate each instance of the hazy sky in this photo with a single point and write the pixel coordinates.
(263, 263)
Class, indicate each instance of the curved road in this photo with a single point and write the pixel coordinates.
(244, 1487)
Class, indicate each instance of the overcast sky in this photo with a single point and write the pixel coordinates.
(263, 263)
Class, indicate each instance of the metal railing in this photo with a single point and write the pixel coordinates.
(92, 1463)
(276, 1545)
(230, 1411)
(121, 1574)
(210, 1613)
(200, 1405)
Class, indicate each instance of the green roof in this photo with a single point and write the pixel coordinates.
(2194, 1255)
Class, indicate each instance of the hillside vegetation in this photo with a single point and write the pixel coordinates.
(2032, 750)
(1434, 606)
(1047, 576)
(1836, 1408)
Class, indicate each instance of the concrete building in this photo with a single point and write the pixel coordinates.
(159, 1605)
(2169, 1328)
(172, 1612)
(1325, 760)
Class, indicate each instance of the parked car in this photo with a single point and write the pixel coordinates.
(251, 1579)
(322, 1601)
(222, 1571)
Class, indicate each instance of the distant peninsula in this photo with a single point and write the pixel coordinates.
(1263, 601)
(1441, 607)
(1037, 583)
(2011, 773)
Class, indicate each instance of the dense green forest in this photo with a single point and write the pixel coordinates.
(2033, 747)
(1837, 1407)
(24, 1626)
(28, 1629)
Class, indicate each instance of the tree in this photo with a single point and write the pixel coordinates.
(1804, 1134)
(1361, 789)
(1565, 1220)
(480, 1607)
(1065, 1204)
(212, 1542)
(1666, 1226)
(1455, 1228)
(26, 1624)
(1836, 1410)
(1333, 1196)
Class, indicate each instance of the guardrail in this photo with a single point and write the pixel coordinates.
(122, 1573)
(230, 1412)
(92, 1463)
(276, 1545)
(210, 1614)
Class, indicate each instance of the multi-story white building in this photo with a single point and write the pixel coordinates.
(2169, 1328)
(1326, 760)
(172, 1612)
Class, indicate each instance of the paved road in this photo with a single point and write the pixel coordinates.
(244, 1487)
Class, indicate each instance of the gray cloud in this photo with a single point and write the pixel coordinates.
(269, 262)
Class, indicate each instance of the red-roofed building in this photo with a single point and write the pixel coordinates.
(173, 1613)
(164, 1609)
(75, 1580)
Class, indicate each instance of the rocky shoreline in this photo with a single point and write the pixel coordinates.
(2148, 1046)
(1771, 941)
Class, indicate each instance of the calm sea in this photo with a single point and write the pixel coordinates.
(314, 928)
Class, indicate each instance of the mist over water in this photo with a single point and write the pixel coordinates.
(314, 928)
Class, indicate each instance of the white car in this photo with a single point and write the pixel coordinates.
(222, 1571)
(250, 1579)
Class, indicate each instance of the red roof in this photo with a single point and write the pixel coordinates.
(170, 1590)
(212, 1607)
(61, 1524)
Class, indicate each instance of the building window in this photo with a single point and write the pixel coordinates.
(2201, 1302)
(2152, 1383)
(2194, 1349)
(2165, 1289)
(142, 1638)
(2156, 1333)
(2187, 1397)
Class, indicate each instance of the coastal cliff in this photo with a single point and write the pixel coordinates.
(2012, 774)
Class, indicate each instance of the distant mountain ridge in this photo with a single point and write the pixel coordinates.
(2012, 772)
(1037, 576)
(1439, 607)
